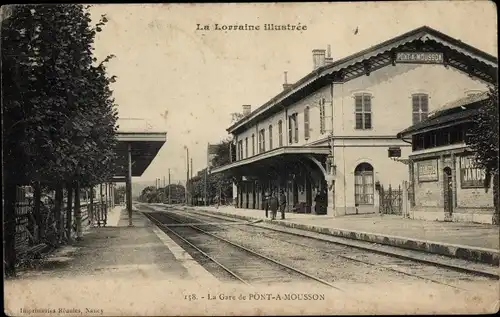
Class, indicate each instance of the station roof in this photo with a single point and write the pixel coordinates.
(457, 111)
(146, 140)
(276, 153)
(485, 67)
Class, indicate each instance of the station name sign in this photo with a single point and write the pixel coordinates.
(420, 57)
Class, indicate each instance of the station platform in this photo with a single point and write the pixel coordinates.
(107, 268)
(469, 241)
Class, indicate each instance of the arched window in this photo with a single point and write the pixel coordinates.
(270, 137)
(253, 144)
(363, 184)
(262, 141)
(306, 123)
(280, 133)
(420, 107)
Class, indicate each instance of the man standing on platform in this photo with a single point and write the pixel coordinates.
(273, 205)
(282, 204)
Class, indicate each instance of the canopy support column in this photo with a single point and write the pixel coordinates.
(129, 184)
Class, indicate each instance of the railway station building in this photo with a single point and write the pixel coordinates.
(325, 139)
(447, 184)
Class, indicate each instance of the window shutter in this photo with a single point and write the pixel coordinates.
(424, 103)
(415, 103)
(270, 137)
(367, 103)
(306, 123)
(359, 121)
(280, 133)
(296, 125)
(359, 103)
(368, 120)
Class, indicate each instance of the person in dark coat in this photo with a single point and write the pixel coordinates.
(273, 205)
(282, 204)
(266, 203)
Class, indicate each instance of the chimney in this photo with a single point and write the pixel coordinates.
(286, 85)
(318, 58)
(329, 58)
(246, 110)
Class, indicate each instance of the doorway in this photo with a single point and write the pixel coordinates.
(448, 194)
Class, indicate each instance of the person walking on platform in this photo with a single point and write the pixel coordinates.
(273, 205)
(266, 203)
(282, 204)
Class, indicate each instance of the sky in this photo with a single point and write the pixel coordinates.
(164, 64)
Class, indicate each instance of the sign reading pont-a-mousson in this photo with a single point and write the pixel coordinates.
(419, 57)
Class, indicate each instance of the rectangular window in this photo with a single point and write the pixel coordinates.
(420, 107)
(363, 111)
(290, 129)
(470, 175)
(306, 123)
(270, 137)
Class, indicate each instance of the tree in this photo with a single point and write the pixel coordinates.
(222, 153)
(236, 116)
(149, 194)
(483, 141)
(59, 121)
(176, 192)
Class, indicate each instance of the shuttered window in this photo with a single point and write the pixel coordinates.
(420, 107)
(306, 123)
(363, 111)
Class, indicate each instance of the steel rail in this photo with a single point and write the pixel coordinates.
(438, 265)
(256, 254)
(159, 223)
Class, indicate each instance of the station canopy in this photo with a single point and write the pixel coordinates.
(146, 140)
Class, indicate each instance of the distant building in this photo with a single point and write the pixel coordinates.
(446, 184)
(325, 139)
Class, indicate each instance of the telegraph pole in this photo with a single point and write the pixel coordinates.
(169, 192)
(187, 175)
(190, 187)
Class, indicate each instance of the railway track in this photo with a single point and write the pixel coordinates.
(428, 272)
(243, 264)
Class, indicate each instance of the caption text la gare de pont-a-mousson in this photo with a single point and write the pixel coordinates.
(258, 297)
(251, 27)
